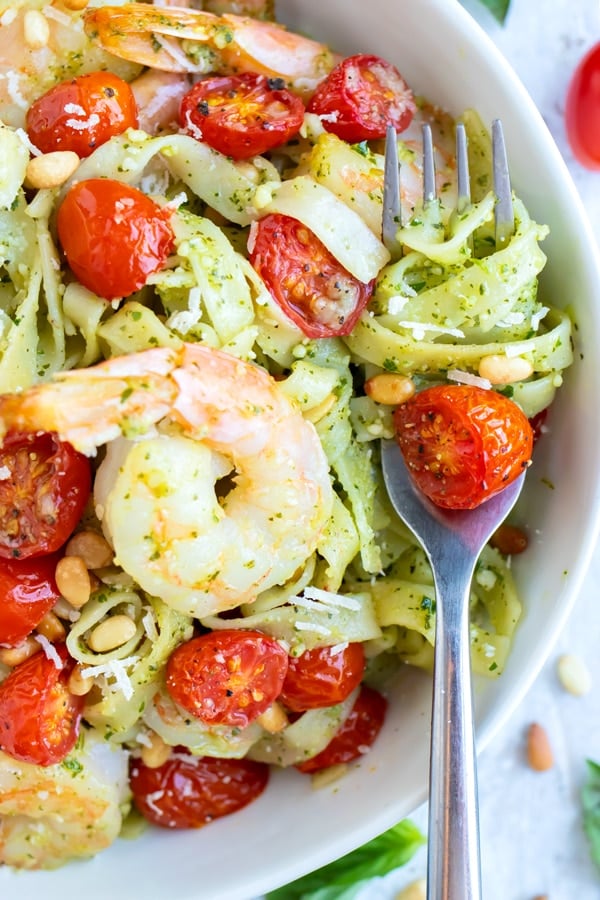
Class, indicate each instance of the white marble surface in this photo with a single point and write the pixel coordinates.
(532, 838)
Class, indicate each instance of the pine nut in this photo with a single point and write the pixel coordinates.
(73, 580)
(51, 627)
(75, 5)
(325, 777)
(509, 539)
(112, 632)
(415, 891)
(12, 656)
(539, 751)
(51, 169)
(500, 369)
(273, 719)
(574, 675)
(36, 29)
(389, 388)
(92, 547)
(157, 753)
(79, 685)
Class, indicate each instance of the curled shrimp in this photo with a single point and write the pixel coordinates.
(177, 39)
(52, 814)
(221, 421)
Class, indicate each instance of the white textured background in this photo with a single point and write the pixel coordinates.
(531, 833)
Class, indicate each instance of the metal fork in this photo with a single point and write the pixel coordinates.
(452, 541)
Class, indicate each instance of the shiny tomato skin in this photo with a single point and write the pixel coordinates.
(361, 97)
(44, 495)
(462, 444)
(113, 236)
(191, 791)
(227, 677)
(356, 736)
(27, 592)
(305, 279)
(81, 114)
(320, 678)
(241, 115)
(582, 110)
(39, 717)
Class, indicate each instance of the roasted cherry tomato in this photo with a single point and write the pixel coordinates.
(191, 791)
(27, 592)
(227, 677)
(308, 283)
(81, 114)
(361, 97)
(42, 493)
(321, 678)
(113, 235)
(582, 110)
(39, 717)
(241, 115)
(538, 424)
(462, 444)
(356, 735)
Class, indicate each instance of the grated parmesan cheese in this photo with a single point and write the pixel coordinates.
(116, 669)
(468, 378)
(420, 329)
(50, 650)
(313, 593)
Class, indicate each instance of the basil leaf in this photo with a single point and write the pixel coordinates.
(590, 796)
(498, 8)
(345, 877)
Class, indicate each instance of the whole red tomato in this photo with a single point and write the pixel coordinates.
(113, 236)
(27, 591)
(320, 677)
(582, 111)
(42, 494)
(39, 717)
(305, 279)
(190, 791)
(227, 677)
(361, 97)
(241, 115)
(81, 114)
(462, 444)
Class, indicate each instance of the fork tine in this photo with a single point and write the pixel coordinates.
(504, 216)
(428, 166)
(463, 200)
(392, 212)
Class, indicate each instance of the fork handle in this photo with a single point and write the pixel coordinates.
(454, 871)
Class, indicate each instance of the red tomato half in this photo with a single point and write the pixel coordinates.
(81, 114)
(462, 444)
(39, 717)
(44, 494)
(227, 677)
(582, 110)
(357, 734)
(241, 115)
(191, 791)
(307, 282)
(321, 678)
(361, 97)
(27, 591)
(113, 236)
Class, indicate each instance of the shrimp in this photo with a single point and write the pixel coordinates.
(52, 814)
(177, 39)
(35, 57)
(188, 419)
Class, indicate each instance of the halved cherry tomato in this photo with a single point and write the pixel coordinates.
(81, 114)
(462, 444)
(190, 791)
(321, 678)
(39, 717)
(361, 97)
(538, 424)
(42, 493)
(27, 591)
(241, 115)
(582, 110)
(227, 677)
(357, 734)
(305, 279)
(113, 236)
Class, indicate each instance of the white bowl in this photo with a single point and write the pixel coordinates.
(292, 829)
